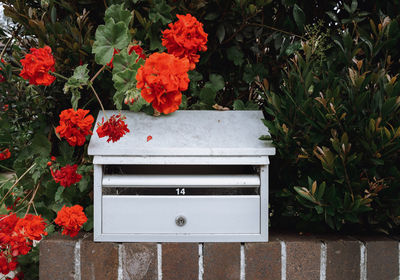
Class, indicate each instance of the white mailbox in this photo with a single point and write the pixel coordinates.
(203, 177)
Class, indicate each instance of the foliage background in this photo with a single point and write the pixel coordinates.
(337, 163)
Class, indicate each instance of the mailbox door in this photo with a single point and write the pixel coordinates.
(181, 215)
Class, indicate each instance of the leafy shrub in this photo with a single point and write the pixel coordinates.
(335, 121)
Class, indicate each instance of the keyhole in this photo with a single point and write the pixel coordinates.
(180, 221)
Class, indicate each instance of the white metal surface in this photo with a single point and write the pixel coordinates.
(264, 199)
(170, 160)
(193, 181)
(97, 200)
(204, 214)
(184, 138)
(188, 133)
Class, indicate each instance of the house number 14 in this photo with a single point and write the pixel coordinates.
(180, 191)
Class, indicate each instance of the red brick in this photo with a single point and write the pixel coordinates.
(263, 260)
(57, 258)
(382, 257)
(139, 261)
(180, 261)
(98, 260)
(303, 257)
(343, 258)
(221, 261)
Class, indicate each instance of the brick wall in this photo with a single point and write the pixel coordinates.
(286, 257)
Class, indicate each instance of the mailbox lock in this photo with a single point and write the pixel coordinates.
(180, 221)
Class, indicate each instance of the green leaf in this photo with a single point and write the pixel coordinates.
(66, 151)
(123, 61)
(195, 76)
(57, 196)
(238, 105)
(333, 16)
(265, 137)
(124, 76)
(41, 145)
(292, 48)
(299, 17)
(319, 209)
(303, 193)
(153, 35)
(160, 12)
(217, 82)
(118, 98)
(77, 81)
(118, 13)
(253, 70)
(138, 104)
(53, 15)
(354, 5)
(236, 55)
(109, 37)
(211, 16)
(89, 214)
(208, 94)
(220, 33)
(83, 184)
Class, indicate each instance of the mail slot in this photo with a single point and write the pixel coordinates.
(203, 177)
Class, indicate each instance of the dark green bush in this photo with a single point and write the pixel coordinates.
(335, 121)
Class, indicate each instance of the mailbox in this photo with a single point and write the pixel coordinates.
(202, 176)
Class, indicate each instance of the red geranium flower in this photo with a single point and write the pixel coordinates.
(161, 80)
(75, 126)
(185, 38)
(114, 128)
(66, 175)
(71, 219)
(31, 226)
(139, 51)
(7, 265)
(5, 154)
(36, 66)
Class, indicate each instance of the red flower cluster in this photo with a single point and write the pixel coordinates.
(71, 219)
(114, 128)
(162, 79)
(36, 66)
(185, 38)
(66, 175)
(5, 154)
(75, 126)
(138, 50)
(16, 238)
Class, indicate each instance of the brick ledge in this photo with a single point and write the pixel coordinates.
(286, 256)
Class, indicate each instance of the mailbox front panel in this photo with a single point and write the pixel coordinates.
(181, 215)
(207, 203)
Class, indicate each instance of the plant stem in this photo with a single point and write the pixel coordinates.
(6, 168)
(98, 73)
(21, 201)
(16, 182)
(5, 47)
(59, 75)
(33, 196)
(98, 99)
(277, 29)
